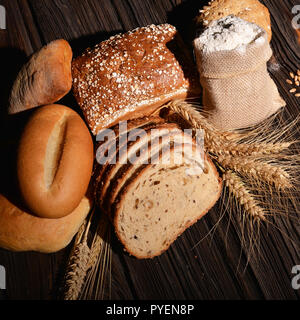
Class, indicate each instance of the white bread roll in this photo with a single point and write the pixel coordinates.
(22, 231)
(54, 161)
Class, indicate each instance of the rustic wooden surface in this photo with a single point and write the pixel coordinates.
(216, 268)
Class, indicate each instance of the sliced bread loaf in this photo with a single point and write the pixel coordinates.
(174, 141)
(137, 151)
(106, 149)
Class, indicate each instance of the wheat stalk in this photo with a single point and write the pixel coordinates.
(257, 149)
(213, 138)
(78, 262)
(100, 259)
(238, 189)
(224, 142)
(230, 150)
(258, 170)
(76, 271)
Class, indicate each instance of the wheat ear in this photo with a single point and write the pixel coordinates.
(238, 189)
(258, 148)
(99, 262)
(99, 239)
(258, 170)
(212, 137)
(78, 262)
(224, 142)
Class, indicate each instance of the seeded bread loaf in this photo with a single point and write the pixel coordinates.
(249, 10)
(130, 75)
(159, 203)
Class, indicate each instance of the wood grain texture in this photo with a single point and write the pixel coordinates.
(215, 267)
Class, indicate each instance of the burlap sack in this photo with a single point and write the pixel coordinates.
(237, 89)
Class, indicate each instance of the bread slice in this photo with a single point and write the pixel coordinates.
(135, 150)
(104, 147)
(174, 141)
(160, 202)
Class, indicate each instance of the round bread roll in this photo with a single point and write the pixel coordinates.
(22, 231)
(54, 161)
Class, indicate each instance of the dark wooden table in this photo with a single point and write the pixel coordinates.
(215, 268)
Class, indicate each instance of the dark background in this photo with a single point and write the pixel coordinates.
(215, 268)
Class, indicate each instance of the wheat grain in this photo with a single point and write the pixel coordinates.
(238, 189)
(292, 90)
(289, 81)
(258, 170)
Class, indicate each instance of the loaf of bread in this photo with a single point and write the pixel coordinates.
(20, 230)
(162, 182)
(250, 10)
(44, 79)
(130, 75)
(54, 161)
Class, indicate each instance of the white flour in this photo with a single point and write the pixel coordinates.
(229, 33)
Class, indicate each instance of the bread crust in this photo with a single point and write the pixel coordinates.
(249, 10)
(44, 79)
(130, 75)
(54, 161)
